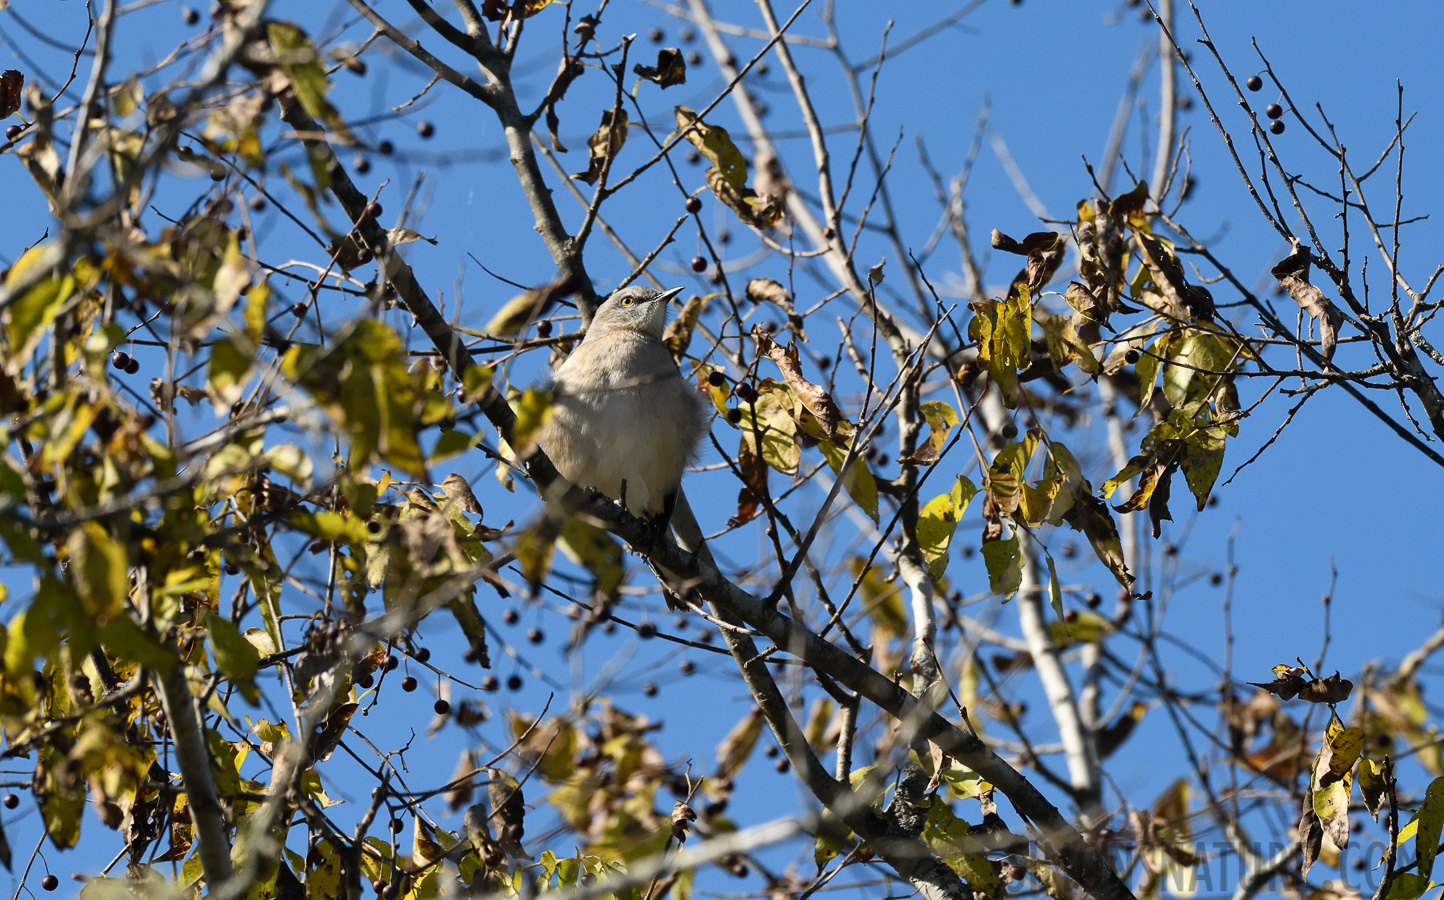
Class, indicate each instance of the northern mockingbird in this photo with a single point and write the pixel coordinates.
(625, 422)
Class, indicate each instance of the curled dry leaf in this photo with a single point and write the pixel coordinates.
(670, 68)
(1293, 275)
(1292, 681)
(682, 815)
(521, 310)
(11, 81)
(605, 144)
(1045, 251)
(760, 289)
(727, 176)
(817, 401)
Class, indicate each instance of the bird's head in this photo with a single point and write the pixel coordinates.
(634, 308)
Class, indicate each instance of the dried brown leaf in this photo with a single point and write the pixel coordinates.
(669, 70)
(1292, 273)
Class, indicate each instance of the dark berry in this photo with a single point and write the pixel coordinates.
(1274, 111)
(373, 210)
(190, 16)
(694, 204)
(1254, 83)
(1093, 600)
(699, 264)
(656, 35)
(408, 684)
(421, 655)
(442, 707)
(1215, 579)
(397, 826)
(716, 378)
(1068, 551)
(425, 129)
(12, 801)
(734, 416)
(361, 164)
(687, 35)
(1009, 431)
(366, 680)
(646, 630)
(771, 752)
(470, 655)
(1276, 126)
(1130, 357)
(649, 689)
(489, 683)
(688, 667)
(298, 309)
(258, 203)
(120, 360)
(50, 882)
(513, 683)
(218, 172)
(378, 886)
(1185, 102)
(133, 366)
(781, 766)
(1071, 616)
(1170, 550)
(693, 157)
(509, 616)
(544, 328)
(385, 148)
(694, 58)
(535, 635)
(13, 131)
(391, 663)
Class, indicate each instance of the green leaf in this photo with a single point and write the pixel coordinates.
(1431, 823)
(306, 71)
(100, 571)
(1005, 565)
(1407, 886)
(235, 657)
(1055, 593)
(367, 388)
(32, 313)
(533, 410)
(859, 482)
(594, 549)
(938, 520)
(231, 359)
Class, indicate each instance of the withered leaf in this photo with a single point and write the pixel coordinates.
(760, 289)
(1292, 273)
(521, 310)
(11, 81)
(1290, 682)
(1311, 836)
(753, 469)
(605, 144)
(682, 815)
(670, 68)
(818, 401)
(1044, 249)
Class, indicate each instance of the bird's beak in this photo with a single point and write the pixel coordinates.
(668, 294)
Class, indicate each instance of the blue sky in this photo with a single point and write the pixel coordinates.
(1336, 489)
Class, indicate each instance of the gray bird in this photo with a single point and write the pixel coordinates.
(625, 421)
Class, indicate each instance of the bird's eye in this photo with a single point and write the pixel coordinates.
(626, 301)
